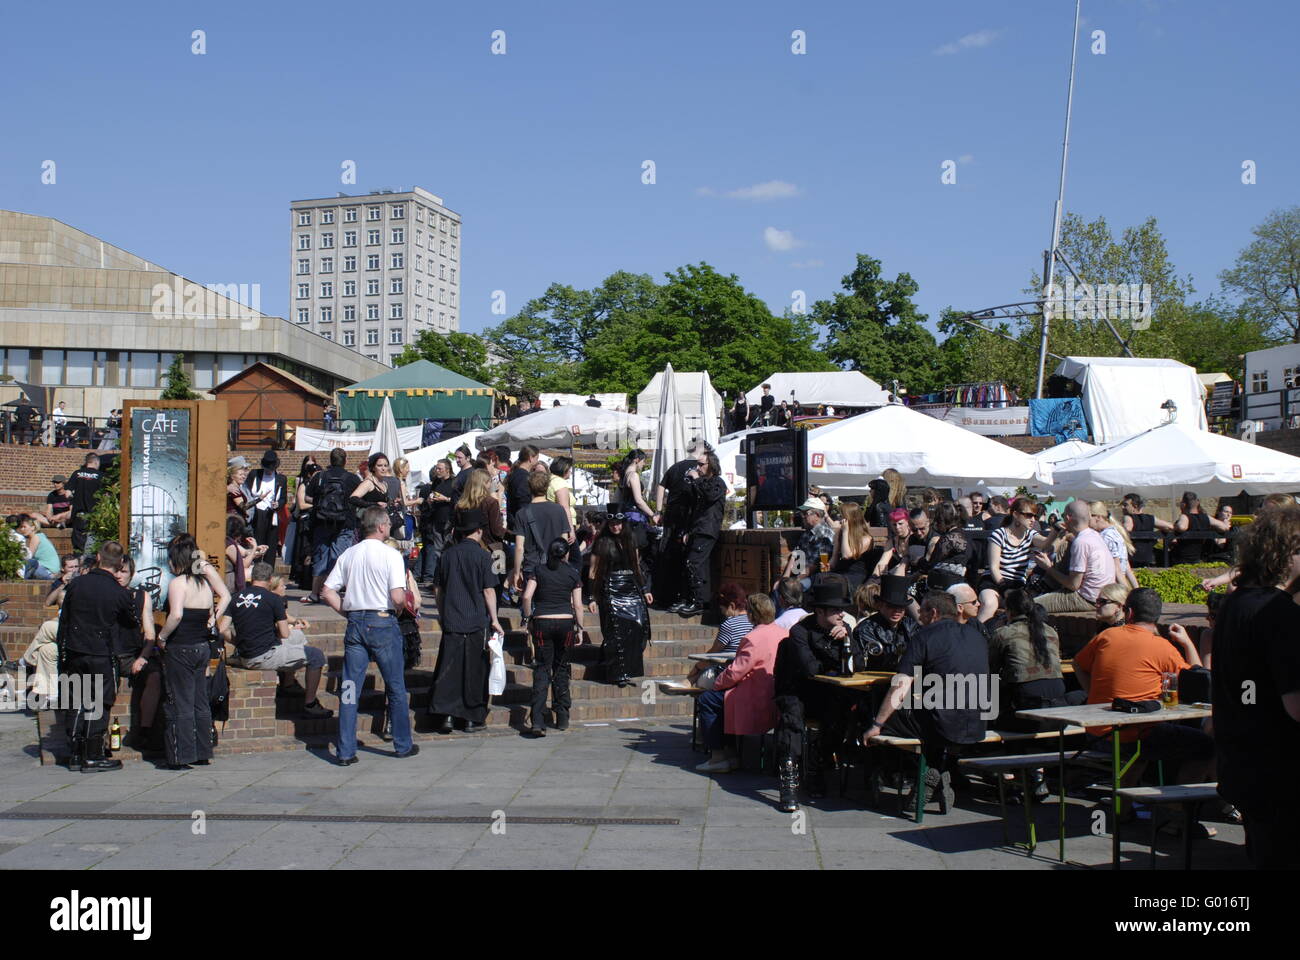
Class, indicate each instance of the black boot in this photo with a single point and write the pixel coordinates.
(789, 774)
(76, 751)
(93, 759)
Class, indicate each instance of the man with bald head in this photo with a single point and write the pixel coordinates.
(970, 609)
(1089, 566)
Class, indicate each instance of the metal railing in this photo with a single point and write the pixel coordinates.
(246, 432)
(86, 433)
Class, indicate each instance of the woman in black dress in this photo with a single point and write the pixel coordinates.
(1194, 520)
(621, 598)
(949, 554)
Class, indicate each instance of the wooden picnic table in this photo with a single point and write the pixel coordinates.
(725, 657)
(863, 678)
(1101, 715)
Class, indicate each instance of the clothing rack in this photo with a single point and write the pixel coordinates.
(989, 394)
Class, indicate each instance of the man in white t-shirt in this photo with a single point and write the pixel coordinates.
(1090, 566)
(374, 578)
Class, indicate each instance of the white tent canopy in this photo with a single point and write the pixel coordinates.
(1122, 396)
(307, 440)
(565, 426)
(1065, 452)
(1174, 457)
(422, 460)
(691, 391)
(848, 388)
(612, 401)
(844, 457)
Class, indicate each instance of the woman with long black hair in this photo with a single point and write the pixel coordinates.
(191, 596)
(621, 597)
(552, 607)
(1026, 656)
(631, 499)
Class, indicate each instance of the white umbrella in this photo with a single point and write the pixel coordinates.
(386, 439)
(1065, 452)
(422, 460)
(710, 415)
(844, 457)
(565, 426)
(670, 441)
(1177, 456)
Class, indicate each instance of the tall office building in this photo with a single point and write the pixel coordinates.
(373, 271)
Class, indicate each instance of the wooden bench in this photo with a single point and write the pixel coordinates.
(912, 745)
(1187, 796)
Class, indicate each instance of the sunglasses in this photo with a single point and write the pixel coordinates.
(1029, 516)
(616, 518)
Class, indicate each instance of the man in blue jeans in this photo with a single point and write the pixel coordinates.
(374, 579)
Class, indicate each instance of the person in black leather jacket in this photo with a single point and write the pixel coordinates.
(708, 493)
(880, 639)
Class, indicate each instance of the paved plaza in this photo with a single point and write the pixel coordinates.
(630, 786)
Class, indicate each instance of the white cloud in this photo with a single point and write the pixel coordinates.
(966, 158)
(807, 264)
(704, 192)
(980, 38)
(771, 190)
(778, 240)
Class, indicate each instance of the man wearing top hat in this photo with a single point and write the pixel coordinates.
(467, 607)
(813, 647)
(269, 493)
(880, 640)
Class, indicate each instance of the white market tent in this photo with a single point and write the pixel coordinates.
(1064, 452)
(691, 391)
(844, 457)
(848, 388)
(422, 460)
(565, 426)
(1164, 461)
(1122, 396)
(612, 401)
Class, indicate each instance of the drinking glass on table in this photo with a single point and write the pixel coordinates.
(1168, 690)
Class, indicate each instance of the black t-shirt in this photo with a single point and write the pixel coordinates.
(677, 508)
(554, 593)
(84, 485)
(517, 495)
(254, 612)
(1256, 661)
(946, 649)
(540, 524)
(464, 572)
(436, 514)
(58, 501)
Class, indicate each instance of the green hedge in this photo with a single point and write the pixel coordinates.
(1181, 584)
(11, 553)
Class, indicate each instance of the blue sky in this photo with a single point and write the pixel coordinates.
(774, 166)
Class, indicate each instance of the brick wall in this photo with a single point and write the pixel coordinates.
(25, 468)
(1029, 445)
(1284, 441)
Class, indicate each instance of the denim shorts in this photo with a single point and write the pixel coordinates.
(328, 549)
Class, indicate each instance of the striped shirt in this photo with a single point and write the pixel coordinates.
(732, 631)
(1014, 559)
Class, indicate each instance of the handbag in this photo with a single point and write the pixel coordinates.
(708, 677)
(496, 665)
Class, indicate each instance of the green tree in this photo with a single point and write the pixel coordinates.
(178, 381)
(1267, 273)
(461, 353)
(876, 328)
(102, 520)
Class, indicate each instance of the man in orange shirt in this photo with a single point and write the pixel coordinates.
(1126, 663)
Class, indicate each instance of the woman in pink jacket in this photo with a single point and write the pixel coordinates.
(742, 696)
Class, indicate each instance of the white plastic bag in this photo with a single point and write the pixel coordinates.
(496, 664)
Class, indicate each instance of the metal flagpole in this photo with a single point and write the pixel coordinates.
(1050, 265)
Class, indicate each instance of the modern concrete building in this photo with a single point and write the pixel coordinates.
(101, 325)
(373, 271)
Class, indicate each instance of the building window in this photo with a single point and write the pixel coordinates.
(419, 313)
(453, 251)
(304, 266)
(349, 238)
(372, 312)
(327, 334)
(304, 291)
(327, 216)
(419, 263)
(442, 248)
(372, 288)
(349, 288)
(304, 314)
(16, 363)
(453, 274)
(327, 241)
(1259, 382)
(442, 224)
(372, 238)
(452, 298)
(372, 261)
(442, 271)
(350, 312)
(442, 295)
(326, 288)
(326, 314)
(372, 338)
(418, 285)
(304, 218)
(396, 260)
(394, 311)
(396, 337)
(326, 264)
(144, 369)
(349, 264)
(80, 370)
(419, 238)
(349, 338)
(350, 215)
(398, 235)
(442, 319)
(304, 241)
(203, 364)
(399, 211)
(395, 285)
(372, 213)
(455, 229)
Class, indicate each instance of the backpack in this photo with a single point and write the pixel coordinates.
(332, 506)
(219, 693)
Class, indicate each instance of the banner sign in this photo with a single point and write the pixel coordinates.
(986, 421)
(160, 488)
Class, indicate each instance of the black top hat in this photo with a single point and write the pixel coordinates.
(467, 521)
(893, 590)
(833, 594)
(270, 460)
